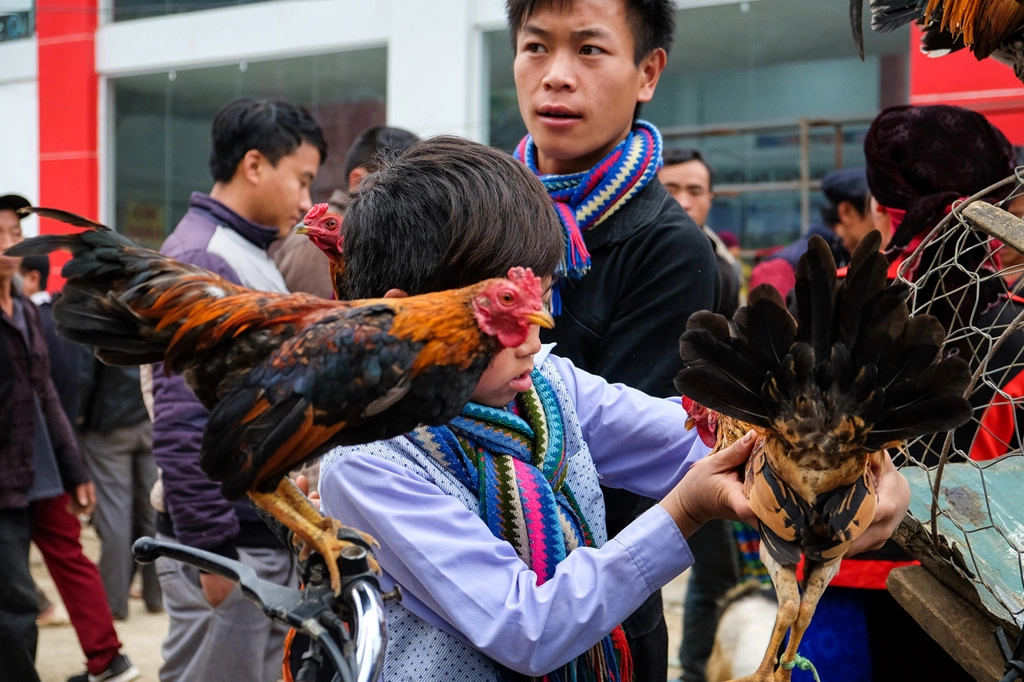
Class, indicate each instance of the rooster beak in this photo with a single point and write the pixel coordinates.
(300, 229)
(543, 318)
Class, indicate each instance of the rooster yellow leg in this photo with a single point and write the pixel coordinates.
(788, 591)
(289, 506)
(818, 578)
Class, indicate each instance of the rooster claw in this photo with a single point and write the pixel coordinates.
(336, 543)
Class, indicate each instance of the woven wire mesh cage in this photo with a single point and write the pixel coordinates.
(967, 484)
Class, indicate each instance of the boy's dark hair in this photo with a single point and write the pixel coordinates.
(653, 22)
(274, 128)
(679, 155)
(40, 264)
(448, 213)
(375, 146)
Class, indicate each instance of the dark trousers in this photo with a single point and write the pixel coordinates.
(18, 605)
(122, 469)
(645, 628)
(650, 649)
(714, 572)
(57, 534)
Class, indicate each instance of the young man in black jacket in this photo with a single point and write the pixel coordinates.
(636, 265)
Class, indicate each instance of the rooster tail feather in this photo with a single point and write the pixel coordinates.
(882, 324)
(62, 216)
(792, 378)
(931, 400)
(815, 296)
(94, 309)
(706, 385)
(937, 42)
(127, 301)
(97, 318)
(947, 378)
(767, 326)
(864, 281)
(926, 417)
(914, 350)
(700, 345)
(889, 15)
(715, 323)
(43, 245)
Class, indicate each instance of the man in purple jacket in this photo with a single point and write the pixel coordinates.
(264, 158)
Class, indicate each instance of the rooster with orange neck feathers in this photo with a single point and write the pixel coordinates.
(828, 392)
(286, 377)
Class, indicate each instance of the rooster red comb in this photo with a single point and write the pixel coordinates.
(525, 278)
(315, 212)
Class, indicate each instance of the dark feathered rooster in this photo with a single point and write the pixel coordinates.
(828, 392)
(989, 28)
(286, 377)
(323, 227)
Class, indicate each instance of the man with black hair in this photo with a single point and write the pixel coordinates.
(373, 148)
(690, 180)
(265, 156)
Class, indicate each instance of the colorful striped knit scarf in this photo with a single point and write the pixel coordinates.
(583, 200)
(514, 460)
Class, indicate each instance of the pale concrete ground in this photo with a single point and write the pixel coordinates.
(59, 655)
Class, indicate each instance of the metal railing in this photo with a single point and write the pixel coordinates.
(803, 128)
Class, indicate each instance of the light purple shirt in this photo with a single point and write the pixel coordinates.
(457, 576)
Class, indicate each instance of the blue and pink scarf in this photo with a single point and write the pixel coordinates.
(584, 200)
(514, 460)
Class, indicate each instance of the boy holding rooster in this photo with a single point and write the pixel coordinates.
(494, 524)
(637, 265)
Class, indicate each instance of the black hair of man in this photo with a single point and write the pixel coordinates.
(678, 155)
(448, 213)
(40, 264)
(653, 22)
(274, 128)
(375, 146)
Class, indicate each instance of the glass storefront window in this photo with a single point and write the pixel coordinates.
(161, 136)
(17, 20)
(138, 9)
(736, 65)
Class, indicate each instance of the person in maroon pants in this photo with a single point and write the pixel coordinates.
(43, 486)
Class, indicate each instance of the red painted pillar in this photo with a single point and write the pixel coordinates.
(68, 111)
